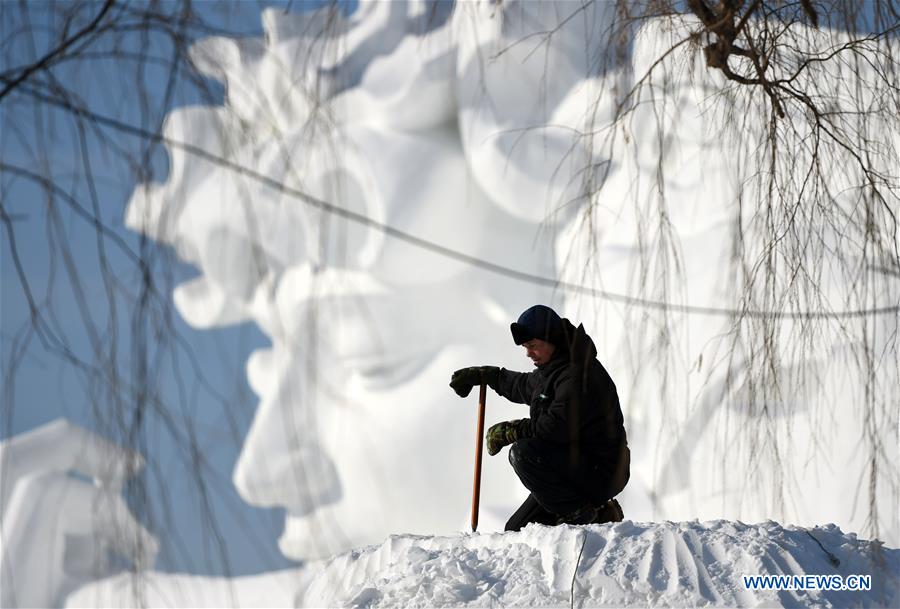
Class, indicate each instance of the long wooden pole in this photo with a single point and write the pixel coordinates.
(476, 492)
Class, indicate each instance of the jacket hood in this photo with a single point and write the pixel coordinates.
(577, 344)
(574, 346)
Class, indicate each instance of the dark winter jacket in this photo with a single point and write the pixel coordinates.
(573, 400)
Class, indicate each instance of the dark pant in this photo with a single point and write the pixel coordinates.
(559, 484)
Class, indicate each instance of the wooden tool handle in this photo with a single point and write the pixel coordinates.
(476, 492)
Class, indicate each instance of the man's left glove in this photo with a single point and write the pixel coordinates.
(500, 435)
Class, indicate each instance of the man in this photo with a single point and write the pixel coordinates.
(572, 452)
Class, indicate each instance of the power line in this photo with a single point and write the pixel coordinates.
(438, 248)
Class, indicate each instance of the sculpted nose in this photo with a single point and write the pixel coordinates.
(256, 472)
(282, 462)
(276, 470)
(264, 473)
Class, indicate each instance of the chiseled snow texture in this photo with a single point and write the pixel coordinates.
(625, 564)
(680, 564)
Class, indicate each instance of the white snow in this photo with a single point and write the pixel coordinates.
(667, 564)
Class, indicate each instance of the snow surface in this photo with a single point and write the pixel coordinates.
(681, 564)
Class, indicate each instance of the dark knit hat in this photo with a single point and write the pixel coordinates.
(539, 321)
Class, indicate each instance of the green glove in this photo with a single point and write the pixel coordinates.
(463, 380)
(500, 435)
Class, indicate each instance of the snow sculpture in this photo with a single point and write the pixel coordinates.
(356, 432)
(461, 133)
(60, 530)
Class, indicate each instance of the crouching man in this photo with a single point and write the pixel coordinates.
(572, 452)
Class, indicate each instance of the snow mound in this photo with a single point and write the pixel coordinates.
(628, 563)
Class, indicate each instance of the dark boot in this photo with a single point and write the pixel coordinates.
(583, 515)
(610, 511)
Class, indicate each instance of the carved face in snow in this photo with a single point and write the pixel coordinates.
(356, 433)
(430, 126)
